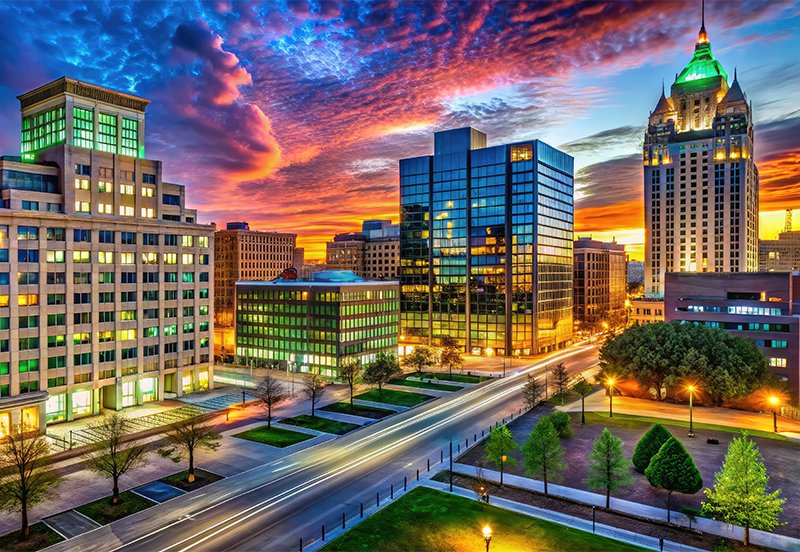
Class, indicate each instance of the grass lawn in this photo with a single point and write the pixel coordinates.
(632, 421)
(103, 512)
(181, 479)
(41, 536)
(427, 519)
(390, 396)
(358, 410)
(445, 376)
(425, 385)
(274, 437)
(321, 424)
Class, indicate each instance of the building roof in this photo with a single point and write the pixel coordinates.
(324, 277)
(664, 104)
(702, 71)
(734, 94)
(68, 85)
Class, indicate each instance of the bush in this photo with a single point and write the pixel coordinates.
(560, 421)
(649, 445)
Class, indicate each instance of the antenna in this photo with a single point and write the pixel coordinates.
(703, 13)
(787, 226)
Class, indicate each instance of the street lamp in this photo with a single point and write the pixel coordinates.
(691, 429)
(487, 536)
(611, 398)
(774, 401)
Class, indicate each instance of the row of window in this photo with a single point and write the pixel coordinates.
(103, 236)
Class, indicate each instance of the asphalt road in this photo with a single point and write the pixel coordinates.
(271, 507)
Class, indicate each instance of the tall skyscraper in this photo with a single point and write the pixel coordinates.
(105, 287)
(486, 245)
(701, 184)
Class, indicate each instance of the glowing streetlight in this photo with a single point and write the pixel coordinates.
(487, 536)
(489, 351)
(611, 398)
(774, 401)
(691, 429)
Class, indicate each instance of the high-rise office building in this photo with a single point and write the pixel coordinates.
(105, 287)
(600, 280)
(242, 254)
(486, 245)
(701, 184)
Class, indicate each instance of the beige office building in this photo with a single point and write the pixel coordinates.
(105, 287)
(244, 255)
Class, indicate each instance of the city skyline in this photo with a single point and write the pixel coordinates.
(247, 99)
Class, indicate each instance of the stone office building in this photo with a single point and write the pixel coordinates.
(105, 275)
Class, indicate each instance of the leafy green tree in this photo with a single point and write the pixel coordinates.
(349, 371)
(583, 389)
(189, 436)
(741, 491)
(649, 445)
(560, 377)
(500, 444)
(450, 358)
(543, 453)
(608, 468)
(381, 370)
(673, 469)
(532, 391)
(27, 478)
(560, 421)
(419, 359)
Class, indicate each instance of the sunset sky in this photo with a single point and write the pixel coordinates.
(292, 116)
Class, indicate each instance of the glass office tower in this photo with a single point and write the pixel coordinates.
(486, 245)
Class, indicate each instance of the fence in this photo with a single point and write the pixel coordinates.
(397, 488)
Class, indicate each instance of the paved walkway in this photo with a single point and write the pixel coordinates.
(762, 538)
(728, 417)
(348, 418)
(385, 406)
(430, 392)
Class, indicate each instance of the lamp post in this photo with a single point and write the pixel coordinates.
(691, 428)
(611, 398)
(774, 401)
(487, 536)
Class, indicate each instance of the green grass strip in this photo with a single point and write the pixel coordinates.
(321, 424)
(390, 396)
(425, 385)
(103, 512)
(274, 437)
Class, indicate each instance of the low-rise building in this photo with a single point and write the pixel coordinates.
(781, 255)
(311, 325)
(646, 310)
(760, 306)
(600, 281)
(372, 253)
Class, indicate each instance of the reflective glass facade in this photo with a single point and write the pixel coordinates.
(486, 245)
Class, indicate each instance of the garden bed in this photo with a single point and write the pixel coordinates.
(40, 536)
(180, 480)
(274, 437)
(321, 424)
(103, 512)
(390, 396)
(358, 410)
(426, 385)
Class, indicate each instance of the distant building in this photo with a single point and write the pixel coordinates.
(311, 325)
(372, 253)
(307, 269)
(646, 310)
(761, 306)
(781, 255)
(636, 272)
(600, 280)
(346, 252)
(700, 180)
(298, 258)
(486, 245)
(242, 254)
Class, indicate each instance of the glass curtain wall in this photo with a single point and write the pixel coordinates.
(415, 249)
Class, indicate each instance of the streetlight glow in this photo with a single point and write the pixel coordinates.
(487, 533)
(773, 400)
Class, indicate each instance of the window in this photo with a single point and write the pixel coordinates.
(106, 316)
(188, 294)
(150, 295)
(83, 206)
(148, 213)
(150, 314)
(147, 191)
(129, 353)
(83, 170)
(128, 297)
(188, 328)
(128, 175)
(188, 277)
(187, 241)
(204, 276)
(3, 255)
(151, 332)
(105, 257)
(202, 241)
(81, 257)
(81, 338)
(127, 315)
(128, 238)
(55, 256)
(171, 330)
(56, 234)
(188, 345)
(127, 189)
(171, 277)
(149, 239)
(28, 343)
(83, 359)
(125, 211)
(82, 298)
(55, 320)
(106, 172)
(168, 199)
(778, 362)
(127, 258)
(107, 356)
(171, 295)
(56, 362)
(175, 218)
(104, 208)
(148, 178)
(106, 297)
(128, 277)
(56, 341)
(105, 236)
(204, 294)
(27, 278)
(82, 318)
(150, 277)
(170, 258)
(150, 258)
(203, 310)
(187, 258)
(84, 236)
(53, 299)
(150, 350)
(204, 259)
(27, 256)
(105, 187)
(171, 240)
(28, 300)
(83, 132)
(171, 312)
(26, 322)
(106, 277)
(27, 233)
(28, 386)
(203, 326)
(203, 342)
(130, 138)
(188, 311)
(79, 277)
(124, 335)
(170, 348)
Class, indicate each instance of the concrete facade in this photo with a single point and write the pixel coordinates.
(781, 255)
(600, 280)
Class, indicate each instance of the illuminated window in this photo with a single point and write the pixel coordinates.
(127, 189)
(124, 335)
(43, 129)
(81, 401)
(170, 258)
(107, 133)
(105, 208)
(202, 241)
(130, 137)
(148, 213)
(80, 256)
(83, 206)
(81, 184)
(125, 211)
(147, 191)
(187, 241)
(150, 258)
(187, 258)
(128, 393)
(27, 300)
(82, 127)
(106, 186)
(521, 153)
(105, 257)
(778, 362)
(127, 258)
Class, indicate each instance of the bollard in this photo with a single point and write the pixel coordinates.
(466, 443)
(301, 544)
(405, 481)
(451, 466)
(391, 492)
(342, 520)
(378, 498)
(482, 434)
(323, 532)
(459, 448)
(417, 474)
(512, 415)
(362, 509)
(593, 519)
(475, 438)
(441, 459)
(520, 412)
(429, 464)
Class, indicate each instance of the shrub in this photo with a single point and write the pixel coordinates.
(649, 445)
(560, 421)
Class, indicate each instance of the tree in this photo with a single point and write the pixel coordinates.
(380, 371)
(349, 370)
(313, 389)
(560, 421)
(450, 358)
(608, 468)
(649, 445)
(583, 389)
(532, 392)
(27, 478)
(741, 491)
(673, 469)
(500, 443)
(543, 453)
(561, 380)
(271, 393)
(111, 456)
(188, 436)
(419, 359)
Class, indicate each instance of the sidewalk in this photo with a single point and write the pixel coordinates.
(762, 538)
(598, 402)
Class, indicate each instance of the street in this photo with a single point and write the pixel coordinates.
(272, 506)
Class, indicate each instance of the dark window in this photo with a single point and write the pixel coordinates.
(83, 170)
(128, 238)
(148, 178)
(105, 236)
(82, 236)
(168, 199)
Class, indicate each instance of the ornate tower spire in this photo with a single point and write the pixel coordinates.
(703, 36)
